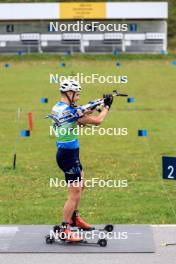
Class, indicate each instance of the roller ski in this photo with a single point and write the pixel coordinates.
(78, 223)
(63, 234)
(70, 232)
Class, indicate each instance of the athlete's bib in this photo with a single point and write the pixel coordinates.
(67, 137)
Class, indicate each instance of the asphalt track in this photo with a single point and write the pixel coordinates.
(31, 239)
(162, 255)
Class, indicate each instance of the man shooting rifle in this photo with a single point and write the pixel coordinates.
(66, 115)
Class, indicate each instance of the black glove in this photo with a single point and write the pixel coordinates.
(108, 100)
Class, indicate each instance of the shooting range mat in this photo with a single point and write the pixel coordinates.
(31, 239)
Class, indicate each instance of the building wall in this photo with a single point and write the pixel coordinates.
(143, 26)
(142, 36)
(24, 27)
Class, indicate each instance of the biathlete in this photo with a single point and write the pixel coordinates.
(67, 156)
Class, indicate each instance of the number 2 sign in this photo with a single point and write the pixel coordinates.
(169, 168)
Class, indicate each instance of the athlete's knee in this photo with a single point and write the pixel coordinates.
(75, 197)
(75, 193)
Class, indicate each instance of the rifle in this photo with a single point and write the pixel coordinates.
(82, 110)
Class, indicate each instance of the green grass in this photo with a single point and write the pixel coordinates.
(78, 56)
(25, 196)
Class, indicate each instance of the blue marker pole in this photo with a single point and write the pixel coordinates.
(44, 100)
(142, 133)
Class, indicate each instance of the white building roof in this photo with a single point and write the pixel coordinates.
(115, 10)
(138, 10)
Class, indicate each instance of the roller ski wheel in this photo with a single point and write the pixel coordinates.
(102, 242)
(56, 228)
(109, 228)
(49, 240)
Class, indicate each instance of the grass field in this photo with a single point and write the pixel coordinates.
(25, 195)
